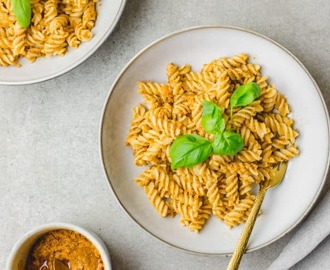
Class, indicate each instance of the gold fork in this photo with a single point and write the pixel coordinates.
(279, 173)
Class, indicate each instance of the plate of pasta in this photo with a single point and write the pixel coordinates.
(55, 38)
(194, 124)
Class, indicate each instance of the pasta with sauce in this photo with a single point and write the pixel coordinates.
(221, 186)
(55, 26)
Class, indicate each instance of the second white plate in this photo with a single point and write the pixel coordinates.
(45, 68)
(285, 206)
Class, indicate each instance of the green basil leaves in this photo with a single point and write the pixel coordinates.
(228, 143)
(245, 94)
(212, 119)
(22, 11)
(189, 150)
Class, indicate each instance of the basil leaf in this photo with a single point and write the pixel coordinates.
(22, 11)
(212, 119)
(228, 143)
(245, 94)
(189, 150)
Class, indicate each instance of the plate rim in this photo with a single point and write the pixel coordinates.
(80, 60)
(200, 27)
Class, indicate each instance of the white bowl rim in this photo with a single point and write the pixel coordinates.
(80, 60)
(219, 27)
(96, 241)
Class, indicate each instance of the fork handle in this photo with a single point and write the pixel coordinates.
(247, 230)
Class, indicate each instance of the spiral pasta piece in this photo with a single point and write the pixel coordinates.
(156, 199)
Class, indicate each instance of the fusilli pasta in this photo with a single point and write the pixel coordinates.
(221, 185)
(55, 26)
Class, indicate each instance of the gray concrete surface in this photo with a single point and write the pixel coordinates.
(50, 167)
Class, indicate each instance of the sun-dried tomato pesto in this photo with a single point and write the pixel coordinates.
(69, 247)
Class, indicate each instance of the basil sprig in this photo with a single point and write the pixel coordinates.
(22, 11)
(189, 150)
(227, 143)
(212, 119)
(244, 95)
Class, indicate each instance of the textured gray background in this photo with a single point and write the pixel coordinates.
(50, 167)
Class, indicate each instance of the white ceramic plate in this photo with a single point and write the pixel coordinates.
(47, 68)
(285, 206)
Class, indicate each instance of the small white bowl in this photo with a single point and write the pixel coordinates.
(20, 251)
